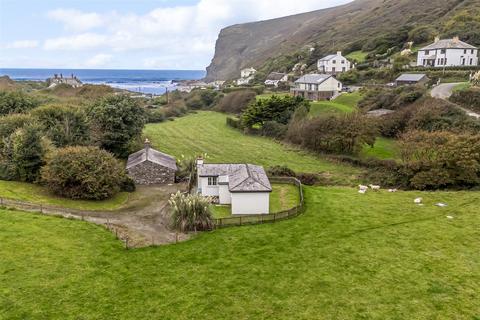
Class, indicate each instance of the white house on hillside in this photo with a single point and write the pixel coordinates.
(317, 87)
(334, 63)
(246, 75)
(275, 78)
(244, 186)
(448, 53)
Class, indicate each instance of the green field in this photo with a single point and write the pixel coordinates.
(270, 94)
(350, 256)
(462, 86)
(36, 194)
(283, 197)
(384, 148)
(345, 103)
(358, 56)
(207, 132)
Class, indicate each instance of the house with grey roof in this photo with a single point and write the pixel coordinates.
(334, 64)
(317, 87)
(275, 78)
(412, 79)
(245, 187)
(149, 166)
(447, 53)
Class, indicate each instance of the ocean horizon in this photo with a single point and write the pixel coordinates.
(142, 81)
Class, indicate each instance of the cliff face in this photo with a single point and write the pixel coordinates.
(251, 44)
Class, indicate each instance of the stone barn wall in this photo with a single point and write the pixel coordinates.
(148, 173)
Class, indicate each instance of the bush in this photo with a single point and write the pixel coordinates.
(281, 171)
(234, 123)
(84, 173)
(274, 130)
(236, 102)
(128, 185)
(9, 124)
(16, 102)
(155, 115)
(190, 212)
(308, 179)
(393, 99)
(469, 99)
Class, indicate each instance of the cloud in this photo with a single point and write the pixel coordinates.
(22, 44)
(76, 20)
(99, 60)
(188, 32)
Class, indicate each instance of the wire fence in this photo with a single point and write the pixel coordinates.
(267, 218)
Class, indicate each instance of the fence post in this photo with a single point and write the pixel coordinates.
(176, 237)
(240, 220)
(126, 243)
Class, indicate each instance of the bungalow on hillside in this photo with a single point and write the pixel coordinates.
(246, 75)
(447, 53)
(275, 78)
(412, 79)
(245, 187)
(334, 64)
(317, 87)
(149, 166)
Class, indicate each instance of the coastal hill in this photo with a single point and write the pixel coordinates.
(372, 25)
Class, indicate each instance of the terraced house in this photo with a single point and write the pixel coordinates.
(448, 53)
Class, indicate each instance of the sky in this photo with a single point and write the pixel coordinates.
(127, 34)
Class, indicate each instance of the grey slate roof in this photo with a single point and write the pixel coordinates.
(328, 58)
(413, 77)
(313, 78)
(240, 177)
(276, 76)
(448, 44)
(152, 155)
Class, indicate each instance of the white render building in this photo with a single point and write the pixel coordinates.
(243, 186)
(246, 75)
(448, 53)
(334, 64)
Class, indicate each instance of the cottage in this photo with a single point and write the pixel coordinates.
(317, 87)
(412, 79)
(246, 75)
(275, 78)
(334, 63)
(244, 186)
(149, 166)
(58, 79)
(448, 53)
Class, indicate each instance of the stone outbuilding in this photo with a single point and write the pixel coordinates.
(149, 166)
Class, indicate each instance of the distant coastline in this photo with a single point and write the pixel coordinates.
(144, 81)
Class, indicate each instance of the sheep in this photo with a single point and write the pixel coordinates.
(362, 191)
(392, 190)
(418, 200)
(363, 187)
(375, 188)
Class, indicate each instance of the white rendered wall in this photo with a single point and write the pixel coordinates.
(208, 191)
(250, 203)
(224, 194)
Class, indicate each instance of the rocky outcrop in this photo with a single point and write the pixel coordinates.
(252, 44)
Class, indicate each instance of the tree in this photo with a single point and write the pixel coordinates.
(10, 123)
(116, 122)
(63, 125)
(275, 108)
(83, 173)
(16, 102)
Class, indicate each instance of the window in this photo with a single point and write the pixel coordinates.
(212, 181)
(463, 61)
(339, 84)
(445, 62)
(334, 61)
(333, 69)
(443, 51)
(465, 51)
(471, 61)
(343, 61)
(427, 52)
(473, 51)
(343, 69)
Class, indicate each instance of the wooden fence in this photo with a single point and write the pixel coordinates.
(267, 218)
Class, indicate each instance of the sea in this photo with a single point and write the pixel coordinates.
(154, 82)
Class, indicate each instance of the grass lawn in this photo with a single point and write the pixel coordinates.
(270, 94)
(207, 132)
(462, 86)
(37, 194)
(283, 197)
(358, 56)
(345, 103)
(384, 149)
(350, 256)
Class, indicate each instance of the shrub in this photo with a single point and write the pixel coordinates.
(274, 130)
(308, 179)
(16, 102)
(236, 102)
(84, 173)
(190, 212)
(234, 123)
(155, 115)
(115, 121)
(9, 124)
(469, 99)
(281, 171)
(393, 99)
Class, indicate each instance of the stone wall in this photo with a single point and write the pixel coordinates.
(148, 173)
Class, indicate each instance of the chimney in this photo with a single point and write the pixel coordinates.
(339, 53)
(456, 39)
(437, 38)
(147, 144)
(199, 161)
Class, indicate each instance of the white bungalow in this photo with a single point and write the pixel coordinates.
(317, 87)
(243, 186)
(334, 63)
(448, 53)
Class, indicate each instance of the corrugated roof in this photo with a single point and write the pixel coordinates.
(313, 78)
(152, 155)
(449, 44)
(240, 177)
(411, 77)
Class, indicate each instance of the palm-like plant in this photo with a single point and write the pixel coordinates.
(190, 212)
